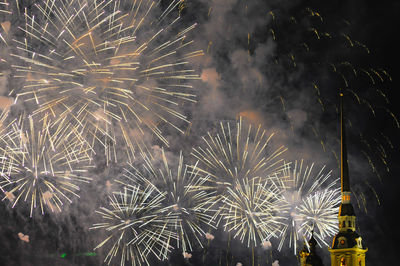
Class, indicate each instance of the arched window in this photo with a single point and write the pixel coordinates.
(344, 224)
(349, 223)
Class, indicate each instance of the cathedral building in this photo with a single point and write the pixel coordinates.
(347, 248)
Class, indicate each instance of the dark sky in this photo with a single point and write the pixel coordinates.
(380, 22)
(374, 23)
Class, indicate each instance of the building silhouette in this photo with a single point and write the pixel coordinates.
(347, 248)
(308, 255)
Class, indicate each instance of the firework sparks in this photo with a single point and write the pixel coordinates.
(42, 164)
(319, 211)
(112, 67)
(251, 211)
(244, 172)
(136, 225)
(235, 154)
(186, 199)
(312, 198)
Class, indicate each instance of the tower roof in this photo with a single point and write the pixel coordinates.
(348, 238)
(346, 209)
(312, 242)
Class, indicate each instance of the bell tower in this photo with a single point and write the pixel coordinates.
(347, 249)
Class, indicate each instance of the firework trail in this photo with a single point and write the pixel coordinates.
(186, 198)
(41, 163)
(136, 225)
(331, 61)
(119, 69)
(311, 199)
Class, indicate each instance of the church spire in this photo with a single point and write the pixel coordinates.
(347, 249)
(345, 208)
(344, 167)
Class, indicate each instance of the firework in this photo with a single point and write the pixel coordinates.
(319, 212)
(185, 199)
(42, 164)
(239, 153)
(251, 210)
(311, 198)
(116, 68)
(136, 226)
(244, 172)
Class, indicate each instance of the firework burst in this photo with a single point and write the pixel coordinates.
(238, 153)
(136, 225)
(42, 164)
(311, 198)
(251, 210)
(319, 212)
(186, 199)
(244, 171)
(116, 68)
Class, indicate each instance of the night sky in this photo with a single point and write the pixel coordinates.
(250, 76)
